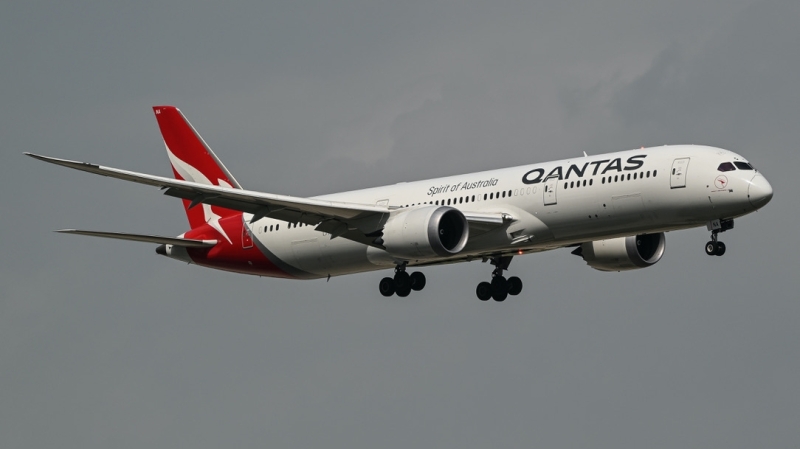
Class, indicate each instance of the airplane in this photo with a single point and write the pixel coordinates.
(612, 209)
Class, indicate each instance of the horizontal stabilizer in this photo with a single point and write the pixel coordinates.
(175, 241)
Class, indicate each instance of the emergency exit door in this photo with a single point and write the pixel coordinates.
(550, 187)
(677, 177)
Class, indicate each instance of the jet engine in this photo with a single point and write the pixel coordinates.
(623, 253)
(426, 233)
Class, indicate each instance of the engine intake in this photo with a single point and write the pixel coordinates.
(623, 253)
(426, 232)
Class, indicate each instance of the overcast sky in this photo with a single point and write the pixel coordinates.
(105, 344)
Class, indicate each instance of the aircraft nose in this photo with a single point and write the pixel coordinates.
(760, 191)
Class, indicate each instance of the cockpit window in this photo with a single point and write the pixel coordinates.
(726, 166)
(743, 165)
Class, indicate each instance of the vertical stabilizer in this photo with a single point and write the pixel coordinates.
(192, 160)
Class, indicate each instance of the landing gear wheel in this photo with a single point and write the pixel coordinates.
(711, 248)
(514, 286)
(484, 291)
(403, 291)
(499, 288)
(386, 287)
(402, 281)
(417, 281)
(720, 248)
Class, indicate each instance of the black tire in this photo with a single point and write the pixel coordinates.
(499, 288)
(484, 291)
(386, 287)
(417, 281)
(402, 282)
(499, 284)
(720, 248)
(514, 286)
(500, 297)
(404, 290)
(711, 248)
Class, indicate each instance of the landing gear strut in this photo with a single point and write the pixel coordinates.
(714, 247)
(402, 283)
(500, 287)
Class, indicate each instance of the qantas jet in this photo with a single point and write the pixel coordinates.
(612, 209)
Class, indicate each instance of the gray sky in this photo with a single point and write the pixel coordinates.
(105, 344)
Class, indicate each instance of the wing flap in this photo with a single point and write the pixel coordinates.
(175, 241)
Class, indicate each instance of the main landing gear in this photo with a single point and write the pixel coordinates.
(715, 247)
(402, 283)
(500, 287)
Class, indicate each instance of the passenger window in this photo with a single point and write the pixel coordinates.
(743, 165)
(655, 172)
(590, 181)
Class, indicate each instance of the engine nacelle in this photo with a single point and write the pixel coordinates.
(623, 253)
(426, 233)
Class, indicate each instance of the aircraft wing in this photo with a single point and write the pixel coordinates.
(339, 216)
(358, 222)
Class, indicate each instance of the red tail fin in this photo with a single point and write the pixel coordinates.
(192, 160)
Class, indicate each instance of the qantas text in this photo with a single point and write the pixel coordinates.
(537, 175)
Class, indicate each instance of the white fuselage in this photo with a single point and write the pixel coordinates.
(551, 205)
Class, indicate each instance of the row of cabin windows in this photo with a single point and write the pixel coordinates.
(467, 199)
(448, 202)
(610, 179)
(277, 227)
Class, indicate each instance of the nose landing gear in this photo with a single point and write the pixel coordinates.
(500, 287)
(402, 283)
(715, 247)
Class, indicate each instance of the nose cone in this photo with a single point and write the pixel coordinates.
(759, 192)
